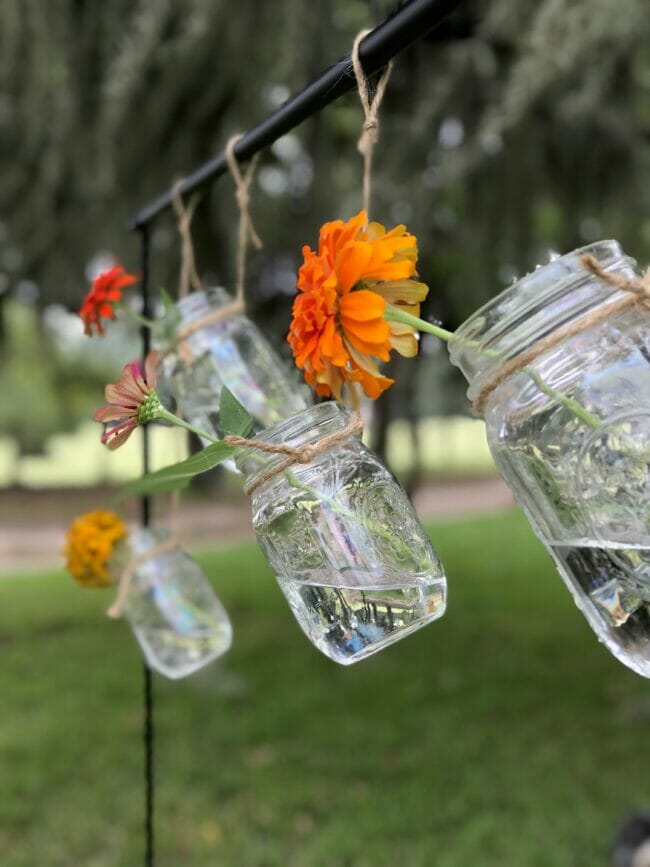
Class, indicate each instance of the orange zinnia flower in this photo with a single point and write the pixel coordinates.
(105, 292)
(338, 331)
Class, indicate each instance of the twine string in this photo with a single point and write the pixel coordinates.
(189, 275)
(370, 131)
(639, 286)
(303, 454)
(638, 292)
(126, 577)
(246, 228)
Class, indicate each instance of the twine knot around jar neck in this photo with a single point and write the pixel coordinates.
(552, 304)
(343, 426)
(640, 287)
(637, 292)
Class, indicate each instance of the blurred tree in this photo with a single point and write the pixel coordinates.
(517, 127)
(44, 388)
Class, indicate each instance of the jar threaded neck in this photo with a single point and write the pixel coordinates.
(198, 304)
(533, 307)
(304, 428)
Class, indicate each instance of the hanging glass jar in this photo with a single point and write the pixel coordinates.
(175, 615)
(580, 471)
(347, 549)
(230, 351)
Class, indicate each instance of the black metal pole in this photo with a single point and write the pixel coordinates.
(413, 21)
(148, 725)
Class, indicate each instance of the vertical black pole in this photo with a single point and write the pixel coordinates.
(148, 732)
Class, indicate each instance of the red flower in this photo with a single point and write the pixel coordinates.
(105, 292)
(132, 400)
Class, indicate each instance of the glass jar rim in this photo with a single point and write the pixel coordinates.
(303, 428)
(137, 542)
(533, 306)
(196, 304)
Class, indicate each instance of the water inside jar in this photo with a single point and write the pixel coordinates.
(350, 623)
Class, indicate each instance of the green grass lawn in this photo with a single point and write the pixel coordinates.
(501, 736)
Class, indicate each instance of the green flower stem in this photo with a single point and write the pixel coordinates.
(336, 507)
(137, 317)
(165, 415)
(567, 402)
(393, 314)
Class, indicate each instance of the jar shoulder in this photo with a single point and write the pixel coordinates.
(607, 370)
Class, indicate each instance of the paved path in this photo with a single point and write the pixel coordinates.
(32, 523)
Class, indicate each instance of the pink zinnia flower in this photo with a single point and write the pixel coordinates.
(132, 400)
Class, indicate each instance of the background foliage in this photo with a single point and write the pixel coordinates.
(517, 127)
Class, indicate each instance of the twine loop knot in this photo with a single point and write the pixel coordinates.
(638, 292)
(128, 573)
(306, 454)
(242, 196)
(303, 454)
(189, 275)
(370, 127)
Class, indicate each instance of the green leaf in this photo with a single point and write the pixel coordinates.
(169, 321)
(169, 304)
(233, 418)
(177, 476)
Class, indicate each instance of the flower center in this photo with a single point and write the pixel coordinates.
(149, 408)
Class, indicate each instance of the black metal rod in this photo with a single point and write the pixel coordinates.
(148, 723)
(145, 335)
(413, 21)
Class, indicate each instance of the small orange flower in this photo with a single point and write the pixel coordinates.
(105, 292)
(89, 545)
(338, 332)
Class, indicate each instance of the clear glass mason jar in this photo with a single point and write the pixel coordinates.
(231, 352)
(175, 615)
(585, 487)
(347, 549)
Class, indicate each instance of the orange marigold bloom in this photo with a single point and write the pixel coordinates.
(338, 332)
(89, 545)
(105, 292)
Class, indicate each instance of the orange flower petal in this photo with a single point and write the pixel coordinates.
(331, 344)
(373, 386)
(390, 270)
(377, 331)
(338, 331)
(405, 291)
(352, 263)
(405, 344)
(365, 362)
(362, 305)
(378, 350)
